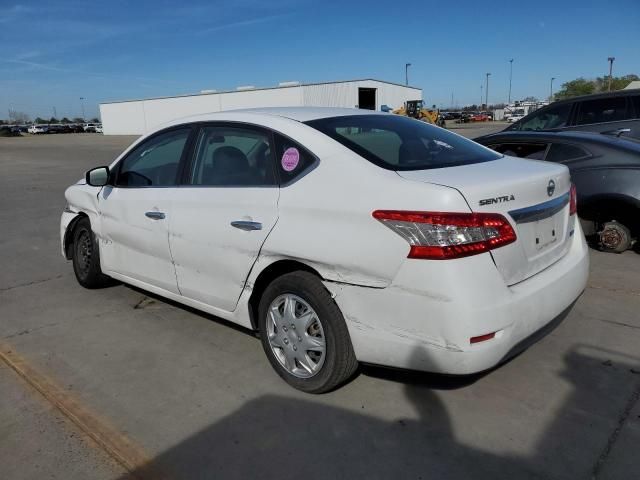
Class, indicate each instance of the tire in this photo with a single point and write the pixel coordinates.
(324, 324)
(614, 237)
(86, 257)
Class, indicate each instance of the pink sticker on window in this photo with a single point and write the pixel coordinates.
(290, 159)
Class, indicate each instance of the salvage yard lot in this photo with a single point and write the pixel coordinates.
(200, 400)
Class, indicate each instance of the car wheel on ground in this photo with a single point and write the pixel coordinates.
(614, 237)
(304, 334)
(86, 257)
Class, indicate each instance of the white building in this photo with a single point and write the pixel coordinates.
(136, 117)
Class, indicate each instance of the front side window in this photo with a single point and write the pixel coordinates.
(230, 156)
(602, 110)
(546, 119)
(154, 163)
(400, 143)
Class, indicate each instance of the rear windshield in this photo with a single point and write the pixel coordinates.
(400, 143)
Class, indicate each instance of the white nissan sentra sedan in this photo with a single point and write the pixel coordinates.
(342, 236)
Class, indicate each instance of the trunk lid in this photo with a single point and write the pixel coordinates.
(533, 195)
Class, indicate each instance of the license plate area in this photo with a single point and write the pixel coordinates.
(546, 232)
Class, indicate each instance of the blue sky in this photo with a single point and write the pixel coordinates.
(54, 52)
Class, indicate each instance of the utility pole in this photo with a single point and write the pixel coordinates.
(486, 92)
(82, 103)
(610, 59)
(510, 77)
(406, 73)
(451, 100)
(480, 106)
(551, 89)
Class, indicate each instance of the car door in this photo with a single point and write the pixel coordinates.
(607, 114)
(135, 211)
(223, 212)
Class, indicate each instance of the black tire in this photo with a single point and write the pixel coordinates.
(614, 237)
(340, 362)
(85, 255)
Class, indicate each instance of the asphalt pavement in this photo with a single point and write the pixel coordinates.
(195, 397)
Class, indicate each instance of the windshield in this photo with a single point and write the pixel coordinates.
(395, 142)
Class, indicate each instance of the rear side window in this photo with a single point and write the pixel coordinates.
(562, 152)
(400, 143)
(292, 160)
(545, 119)
(154, 163)
(534, 151)
(602, 110)
(635, 100)
(229, 156)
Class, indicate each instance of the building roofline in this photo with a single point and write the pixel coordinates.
(277, 87)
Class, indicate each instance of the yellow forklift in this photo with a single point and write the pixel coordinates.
(416, 109)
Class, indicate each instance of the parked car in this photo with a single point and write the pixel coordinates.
(605, 170)
(602, 112)
(99, 128)
(9, 131)
(515, 117)
(479, 117)
(341, 236)
(36, 129)
(90, 127)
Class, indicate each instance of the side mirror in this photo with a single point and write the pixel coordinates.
(98, 177)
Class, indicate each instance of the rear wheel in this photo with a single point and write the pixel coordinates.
(614, 237)
(304, 334)
(86, 257)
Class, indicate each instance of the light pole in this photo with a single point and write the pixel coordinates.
(610, 59)
(406, 73)
(480, 106)
(82, 103)
(486, 92)
(551, 89)
(510, 77)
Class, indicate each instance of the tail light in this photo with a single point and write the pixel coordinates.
(573, 200)
(441, 236)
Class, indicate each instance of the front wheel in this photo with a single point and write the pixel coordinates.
(304, 334)
(86, 257)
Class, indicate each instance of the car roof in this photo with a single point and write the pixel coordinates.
(300, 114)
(595, 96)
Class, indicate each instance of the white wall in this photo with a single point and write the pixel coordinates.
(126, 118)
(346, 94)
(141, 116)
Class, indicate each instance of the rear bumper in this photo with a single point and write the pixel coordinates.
(425, 319)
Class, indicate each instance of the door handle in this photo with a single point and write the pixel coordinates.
(246, 225)
(155, 215)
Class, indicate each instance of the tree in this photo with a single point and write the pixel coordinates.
(78, 120)
(530, 99)
(40, 120)
(53, 120)
(579, 86)
(65, 120)
(95, 120)
(582, 86)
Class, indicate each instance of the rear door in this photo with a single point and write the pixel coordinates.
(223, 212)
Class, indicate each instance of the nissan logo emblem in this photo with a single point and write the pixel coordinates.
(551, 187)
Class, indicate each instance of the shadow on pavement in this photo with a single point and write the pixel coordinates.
(278, 437)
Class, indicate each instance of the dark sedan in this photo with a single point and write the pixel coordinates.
(605, 170)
